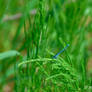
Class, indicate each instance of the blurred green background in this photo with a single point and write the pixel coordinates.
(37, 29)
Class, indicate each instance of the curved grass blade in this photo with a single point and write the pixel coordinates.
(34, 60)
(9, 54)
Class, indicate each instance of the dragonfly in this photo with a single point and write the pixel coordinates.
(61, 51)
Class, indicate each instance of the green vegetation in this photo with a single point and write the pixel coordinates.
(32, 32)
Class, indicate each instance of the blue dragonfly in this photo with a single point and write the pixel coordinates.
(61, 51)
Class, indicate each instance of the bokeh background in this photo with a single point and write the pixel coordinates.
(31, 29)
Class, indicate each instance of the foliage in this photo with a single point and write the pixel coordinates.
(33, 40)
